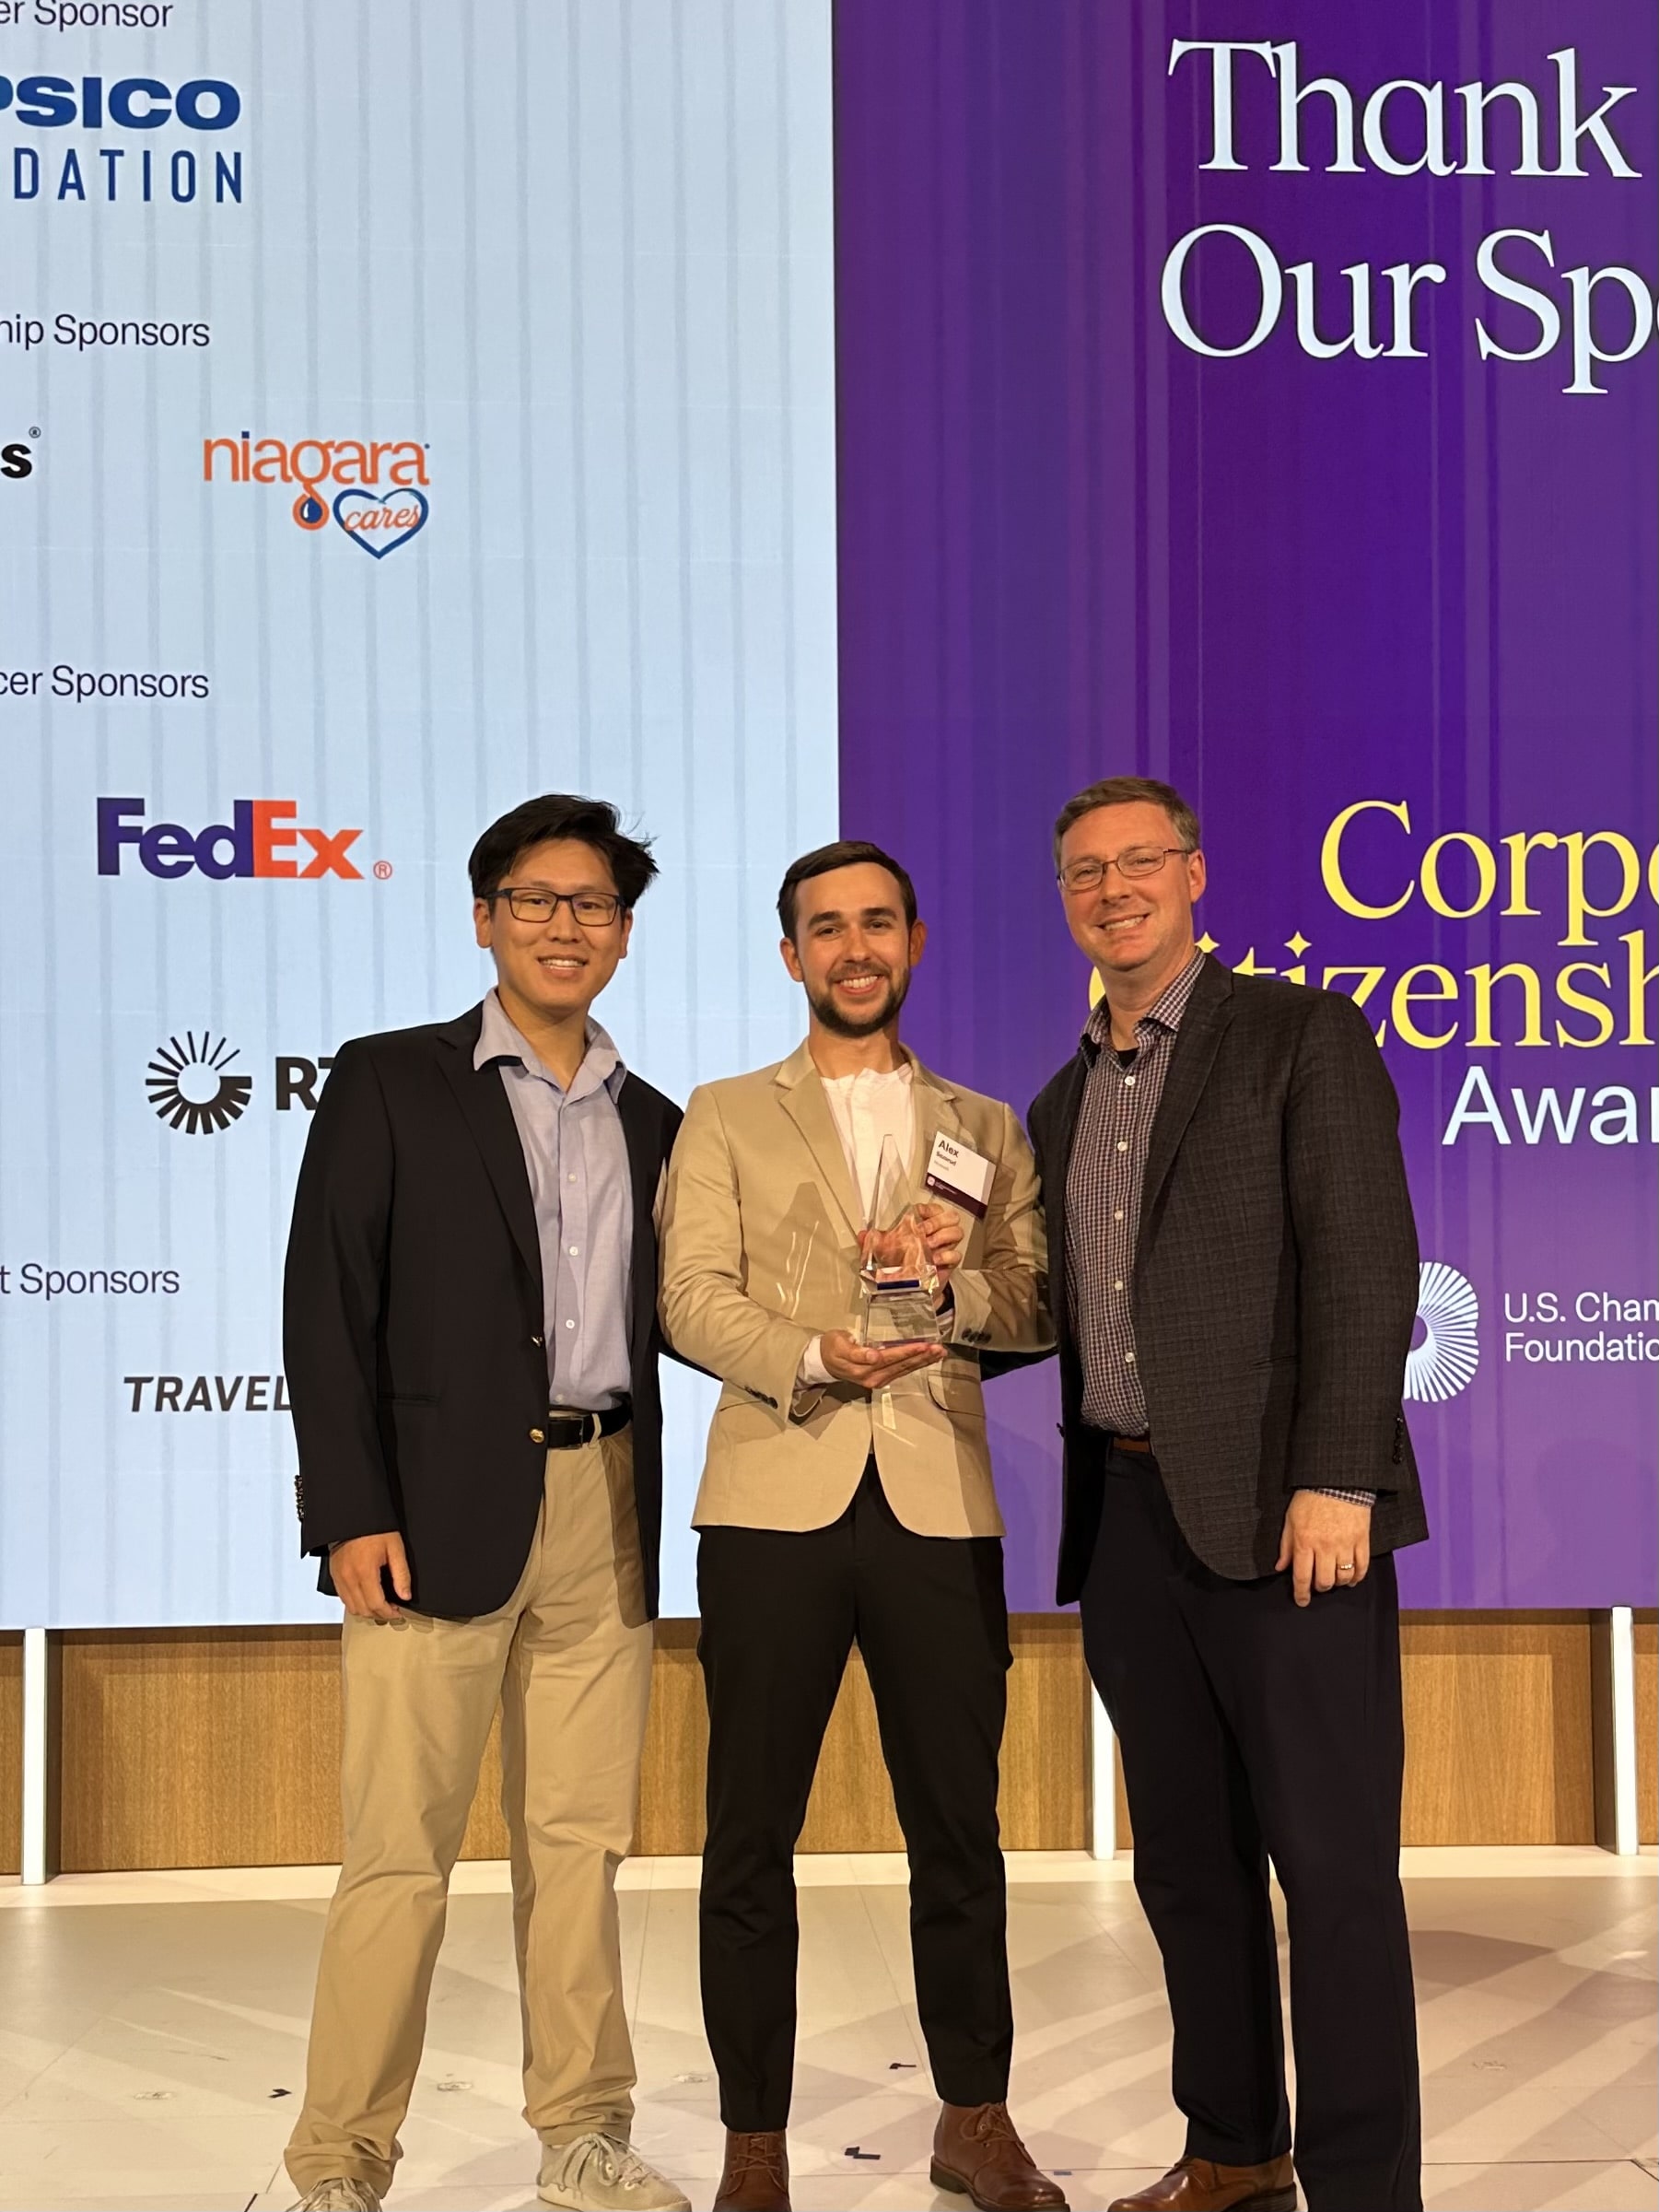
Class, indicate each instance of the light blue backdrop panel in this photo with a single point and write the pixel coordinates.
(569, 267)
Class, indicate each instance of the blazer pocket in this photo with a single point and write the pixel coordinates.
(956, 1392)
(408, 1398)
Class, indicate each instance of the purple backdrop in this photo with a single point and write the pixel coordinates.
(1070, 546)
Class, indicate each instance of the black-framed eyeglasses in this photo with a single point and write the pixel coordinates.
(534, 902)
(1139, 861)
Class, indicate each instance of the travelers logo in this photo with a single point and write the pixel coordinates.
(191, 1086)
(1448, 1312)
(381, 502)
(207, 1393)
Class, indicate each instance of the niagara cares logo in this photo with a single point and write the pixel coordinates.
(373, 490)
(1448, 1313)
(193, 1086)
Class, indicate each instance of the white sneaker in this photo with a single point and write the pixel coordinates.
(341, 2195)
(600, 2174)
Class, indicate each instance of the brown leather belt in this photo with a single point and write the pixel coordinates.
(1128, 1443)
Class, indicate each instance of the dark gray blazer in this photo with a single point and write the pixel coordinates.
(1275, 1285)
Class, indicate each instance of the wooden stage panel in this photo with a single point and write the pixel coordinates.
(11, 1753)
(220, 1747)
(1497, 1728)
(200, 1748)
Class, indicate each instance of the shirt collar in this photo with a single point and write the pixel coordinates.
(1165, 1013)
(500, 1040)
(873, 1078)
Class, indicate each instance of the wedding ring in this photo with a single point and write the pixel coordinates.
(1346, 1567)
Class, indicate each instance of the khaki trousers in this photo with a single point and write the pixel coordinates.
(568, 1660)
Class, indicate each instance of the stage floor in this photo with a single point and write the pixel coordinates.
(153, 2036)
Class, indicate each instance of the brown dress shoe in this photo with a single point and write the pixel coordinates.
(756, 2176)
(1200, 2186)
(977, 2154)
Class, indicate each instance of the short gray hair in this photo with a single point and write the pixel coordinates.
(1127, 790)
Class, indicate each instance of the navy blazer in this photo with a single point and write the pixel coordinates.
(413, 1317)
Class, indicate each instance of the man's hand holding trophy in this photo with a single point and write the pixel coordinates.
(908, 1251)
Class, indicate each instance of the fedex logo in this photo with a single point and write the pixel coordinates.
(262, 838)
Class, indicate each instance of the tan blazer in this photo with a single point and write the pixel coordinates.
(760, 1254)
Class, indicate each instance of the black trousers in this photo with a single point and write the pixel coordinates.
(780, 1612)
(1253, 1729)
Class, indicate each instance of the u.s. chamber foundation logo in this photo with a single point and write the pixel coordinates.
(195, 1085)
(1448, 1313)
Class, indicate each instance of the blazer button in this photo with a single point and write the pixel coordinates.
(538, 1436)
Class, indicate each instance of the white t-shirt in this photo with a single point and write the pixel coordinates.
(865, 1107)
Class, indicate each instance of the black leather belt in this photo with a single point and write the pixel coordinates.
(565, 1431)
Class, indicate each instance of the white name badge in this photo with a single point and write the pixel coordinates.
(960, 1174)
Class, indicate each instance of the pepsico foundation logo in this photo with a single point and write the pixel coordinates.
(372, 489)
(1448, 1315)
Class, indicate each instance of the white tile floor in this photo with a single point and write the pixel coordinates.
(151, 2048)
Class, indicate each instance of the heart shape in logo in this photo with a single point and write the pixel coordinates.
(382, 522)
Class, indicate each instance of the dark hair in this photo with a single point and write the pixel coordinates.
(1126, 791)
(562, 814)
(847, 853)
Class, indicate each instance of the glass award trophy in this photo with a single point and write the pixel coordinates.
(896, 1278)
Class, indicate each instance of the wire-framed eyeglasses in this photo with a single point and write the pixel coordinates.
(535, 902)
(1140, 862)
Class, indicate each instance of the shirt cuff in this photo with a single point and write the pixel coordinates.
(812, 1374)
(1348, 1497)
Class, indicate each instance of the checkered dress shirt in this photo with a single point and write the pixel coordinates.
(1104, 1185)
(1102, 1199)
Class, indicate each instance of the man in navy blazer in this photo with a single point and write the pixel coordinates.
(471, 1344)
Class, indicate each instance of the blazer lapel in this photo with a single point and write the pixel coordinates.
(1203, 1025)
(933, 1107)
(645, 1167)
(484, 1102)
(1066, 1109)
(801, 1093)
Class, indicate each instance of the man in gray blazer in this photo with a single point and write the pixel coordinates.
(1233, 1267)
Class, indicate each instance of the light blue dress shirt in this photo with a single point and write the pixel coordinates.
(577, 1158)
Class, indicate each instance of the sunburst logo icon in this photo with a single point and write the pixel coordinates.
(193, 1087)
(1444, 1360)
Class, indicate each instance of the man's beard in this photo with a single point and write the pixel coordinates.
(831, 1018)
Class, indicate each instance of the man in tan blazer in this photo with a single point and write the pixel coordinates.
(847, 1494)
